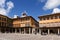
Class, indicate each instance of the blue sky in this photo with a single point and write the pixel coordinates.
(34, 8)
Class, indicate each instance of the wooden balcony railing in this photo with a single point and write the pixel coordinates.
(50, 25)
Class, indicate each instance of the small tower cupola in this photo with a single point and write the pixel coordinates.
(24, 14)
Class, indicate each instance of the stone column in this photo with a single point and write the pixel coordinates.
(0, 30)
(29, 30)
(24, 30)
(58, 31)
(48, 31)
(15, 30)
(20, 30)
(39, 31)
(5, 30)
(9, 30)
(12, 30)
(33, 30)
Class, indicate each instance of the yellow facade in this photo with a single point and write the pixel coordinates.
(25, 21)
(51, 19)
(16, 23)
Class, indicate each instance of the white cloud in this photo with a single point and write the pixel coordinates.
(10, 5)
(15, 16)
(50, 4)
(3, 11)
(56, 10)
(3, 4)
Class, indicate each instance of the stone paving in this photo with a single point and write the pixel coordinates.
(17, 36)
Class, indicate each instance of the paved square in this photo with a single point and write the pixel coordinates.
(17, 36)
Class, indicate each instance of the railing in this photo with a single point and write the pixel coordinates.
(50, 25)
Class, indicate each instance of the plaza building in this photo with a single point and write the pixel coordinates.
(5, 24)
(25, 24)
(49, 24)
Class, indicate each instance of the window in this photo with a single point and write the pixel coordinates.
(43, 18)
(22, 25)
(21, 20)
(47, 18)
(0, 18)
(5, 24)
(27, 24)
(40, 25)
(51, 17)
(26, 18)
(15, 25)
(4, 19)
(40, 18)
(59, 17)
(56, 17)
(0, 23)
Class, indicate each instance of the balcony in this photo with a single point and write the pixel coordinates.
(50, 25)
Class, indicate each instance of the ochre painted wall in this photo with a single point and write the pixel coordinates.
(50, 21)
(23, 23)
